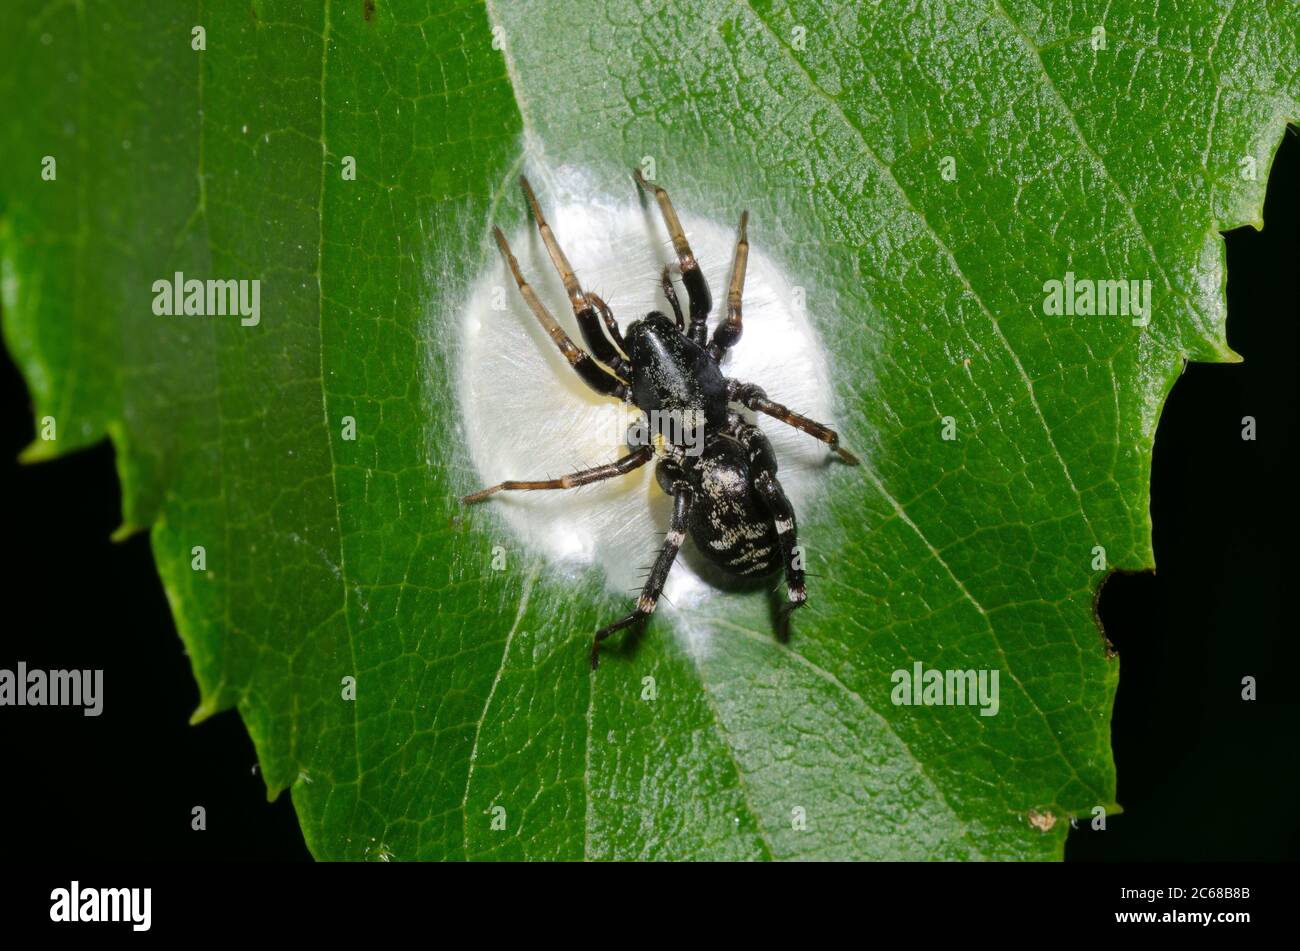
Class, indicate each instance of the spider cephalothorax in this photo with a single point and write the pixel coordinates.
(719, 469)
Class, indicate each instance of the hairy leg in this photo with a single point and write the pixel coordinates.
(583, 309)
(697, 289)
(753, 397)
(622, 466)
(654, 586)
(729, 331)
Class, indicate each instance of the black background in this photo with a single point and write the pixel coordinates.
(1202, 774)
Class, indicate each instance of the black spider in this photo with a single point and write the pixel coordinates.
(719, 469)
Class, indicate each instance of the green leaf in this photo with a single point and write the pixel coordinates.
(329, 558)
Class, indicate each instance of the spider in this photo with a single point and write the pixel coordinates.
(724, 486)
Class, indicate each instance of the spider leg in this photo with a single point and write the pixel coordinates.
(728, 332)
(599, 378)
(697, 289)
(671, 293)
(611, 325)
(654, 586)
(753, 397)
(622, 466)
(588, 323)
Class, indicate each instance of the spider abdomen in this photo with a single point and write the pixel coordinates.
(729, 523)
